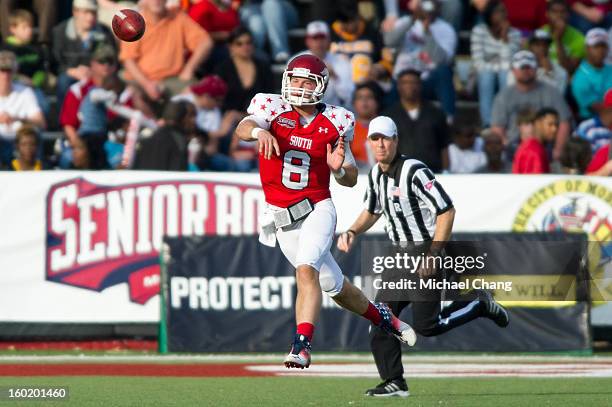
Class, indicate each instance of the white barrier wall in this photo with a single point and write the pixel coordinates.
(83, 246)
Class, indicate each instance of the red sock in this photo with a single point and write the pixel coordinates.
(306, 329)
(372, 314)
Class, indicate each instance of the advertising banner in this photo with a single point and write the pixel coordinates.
(231, 294)
(83, 246)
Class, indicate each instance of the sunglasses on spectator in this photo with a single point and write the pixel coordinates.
(241, 43)
(6, 70)
(106, 61)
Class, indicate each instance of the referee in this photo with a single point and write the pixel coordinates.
(416, 209)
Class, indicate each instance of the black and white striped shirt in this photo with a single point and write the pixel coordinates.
(410, 198)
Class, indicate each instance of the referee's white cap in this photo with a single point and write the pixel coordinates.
(384, 126)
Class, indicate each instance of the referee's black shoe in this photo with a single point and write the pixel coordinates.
(492, 310)
(390, 388)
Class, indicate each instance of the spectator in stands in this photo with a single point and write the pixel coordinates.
(526, 15)
(451, 11)
(353, 39)
(95, 118)
(270, 20)
(219, 18)
(465, 153)
(597, 131)
(74, 41)
(567, 47)
(588, 14)
(46, 16)
(217, 149)
(549, 71)
(423, 130)
(102, 66)
(80, 159)
(531, 156)
(367, 103)
(593, 77)
(601, 164)
(31, 58)
(207, 96)
(157, 62)
(494, 151)
(245, 74)
(426, 43)
(528, 92)
(18, 106)
(575, 157)
(493, 43)
(340, 86)
(166, 149)
(26, 141)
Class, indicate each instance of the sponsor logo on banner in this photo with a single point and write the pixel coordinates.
(99, 236)
(574, 205)
(270, 293)
(568, 205)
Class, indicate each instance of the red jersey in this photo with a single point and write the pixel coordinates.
(600, 159)
(301, 170)
(530, 158)
(212, 19)
(69, 114)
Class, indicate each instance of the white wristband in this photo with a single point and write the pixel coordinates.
(254, 132)
(340, 173)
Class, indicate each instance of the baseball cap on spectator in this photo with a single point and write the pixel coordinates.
(428, 6)
(317, 28)
(85, 4)
(8, 61)
(523, 59)
(104, 53)
(211, 85)
(540, 35)
(384, 126)
(596, 36)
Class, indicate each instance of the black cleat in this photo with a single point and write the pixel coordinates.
(390, 388)
(492, 310)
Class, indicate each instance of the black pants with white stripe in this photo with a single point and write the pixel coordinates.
(428, 319)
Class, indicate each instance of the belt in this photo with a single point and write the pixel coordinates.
(294, 213)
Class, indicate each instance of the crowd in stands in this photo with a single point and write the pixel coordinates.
(474, 86)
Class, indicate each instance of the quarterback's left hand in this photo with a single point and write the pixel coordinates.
(335, 158)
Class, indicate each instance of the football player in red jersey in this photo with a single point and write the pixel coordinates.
(301, 143)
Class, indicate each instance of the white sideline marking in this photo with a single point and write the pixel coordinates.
(420, 370)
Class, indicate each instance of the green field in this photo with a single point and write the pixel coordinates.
(284, 391)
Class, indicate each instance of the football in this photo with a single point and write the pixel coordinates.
(128, 25)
